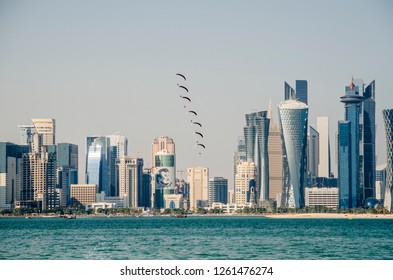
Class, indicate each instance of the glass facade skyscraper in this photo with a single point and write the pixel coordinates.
(352, 100)
(256, 135)
(347, 191)
(97, 162)
(218, 190)
(302, 91)
(294, 122)
(388, 120)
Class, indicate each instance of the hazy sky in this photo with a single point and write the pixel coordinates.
(100, 67)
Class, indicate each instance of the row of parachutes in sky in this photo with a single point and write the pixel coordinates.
(197, 126)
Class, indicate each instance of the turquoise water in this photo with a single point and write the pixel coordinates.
(195, 238)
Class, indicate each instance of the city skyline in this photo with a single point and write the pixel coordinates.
(109, 81)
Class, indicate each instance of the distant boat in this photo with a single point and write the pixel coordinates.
(180, 216)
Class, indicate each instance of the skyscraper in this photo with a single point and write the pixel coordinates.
(256, 135)
(218, 190)
(164, 177)
(131, 180)
(198, 178)
(302, 91)
(275, 159)
(26, 134)
(162, 143)
(368, 142)
(388, 120)
(97, 162)
(313, 152)
(239, 156)
(352, 101)
(324, 168)
(118, 147)
(289, 92)
(293, 122)
(347, 190)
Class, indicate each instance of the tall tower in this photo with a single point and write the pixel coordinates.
(198, 178)
(293, 122)
(302, 91)
(118, 147)
(289, 92)
(388, 120)
(26, 134)
(347, 193)
(256, 134)
(313, 152)
(97, 162)
(275, 159)
(239, 155)
(163, 177)
(131, 180)
(352, 101)
(324, 168)
(369, 165)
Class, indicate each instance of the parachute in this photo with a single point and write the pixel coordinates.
(183, 87)
(199, 144)
(197, 123)
(198, 133)
(182, 76)
(185, 97)
(193, 113)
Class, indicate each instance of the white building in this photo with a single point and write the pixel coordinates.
(46, 128)
(324, 168)
(246, 183)
(327, 197)
(130, 172)
(198, 178)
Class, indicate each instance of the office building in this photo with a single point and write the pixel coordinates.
(218, 190)
(351, 174)
(198, 178)
(294, 122)
(83, 194)
(46, 128)
(302, 91)
(246, 184)
(97, 162)
(368, 141)
(388, 121)
(324, 168)
(313, 152)
(380, 182)
(289, 92)
(130, 172)
(275, 158)
(239, 156)
(256, 135)
(163, 177)
(26, 134)
(162, 143)
(118, 147)
(146, 189)
(323, 196)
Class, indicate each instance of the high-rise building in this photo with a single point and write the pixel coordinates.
(146, 188)
(46, 128)
(218, 190)
(163, 177)
(368, 141)
(256, 135)
(347, 192)
(240, 155)
(162, 143)
(302, 91)
(289, 92)
(198, 178)
(294, 122)
(118, 147)
(67, 155)
(97, 162)
(130, 171)
(275, 159)
(324, 168)
(352, 100)
(26, 134)
(313, 152)
(388, 120)
(380, 182)
(10, 173)
(246, 183)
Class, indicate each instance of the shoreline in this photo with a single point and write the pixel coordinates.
(349, 216)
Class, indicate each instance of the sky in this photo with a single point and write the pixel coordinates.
(104, 67)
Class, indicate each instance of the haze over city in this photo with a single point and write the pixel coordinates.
(99, 68)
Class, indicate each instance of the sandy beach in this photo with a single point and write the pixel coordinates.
(329, 216)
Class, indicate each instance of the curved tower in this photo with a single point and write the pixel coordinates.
(388, 120)
(293, 122)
